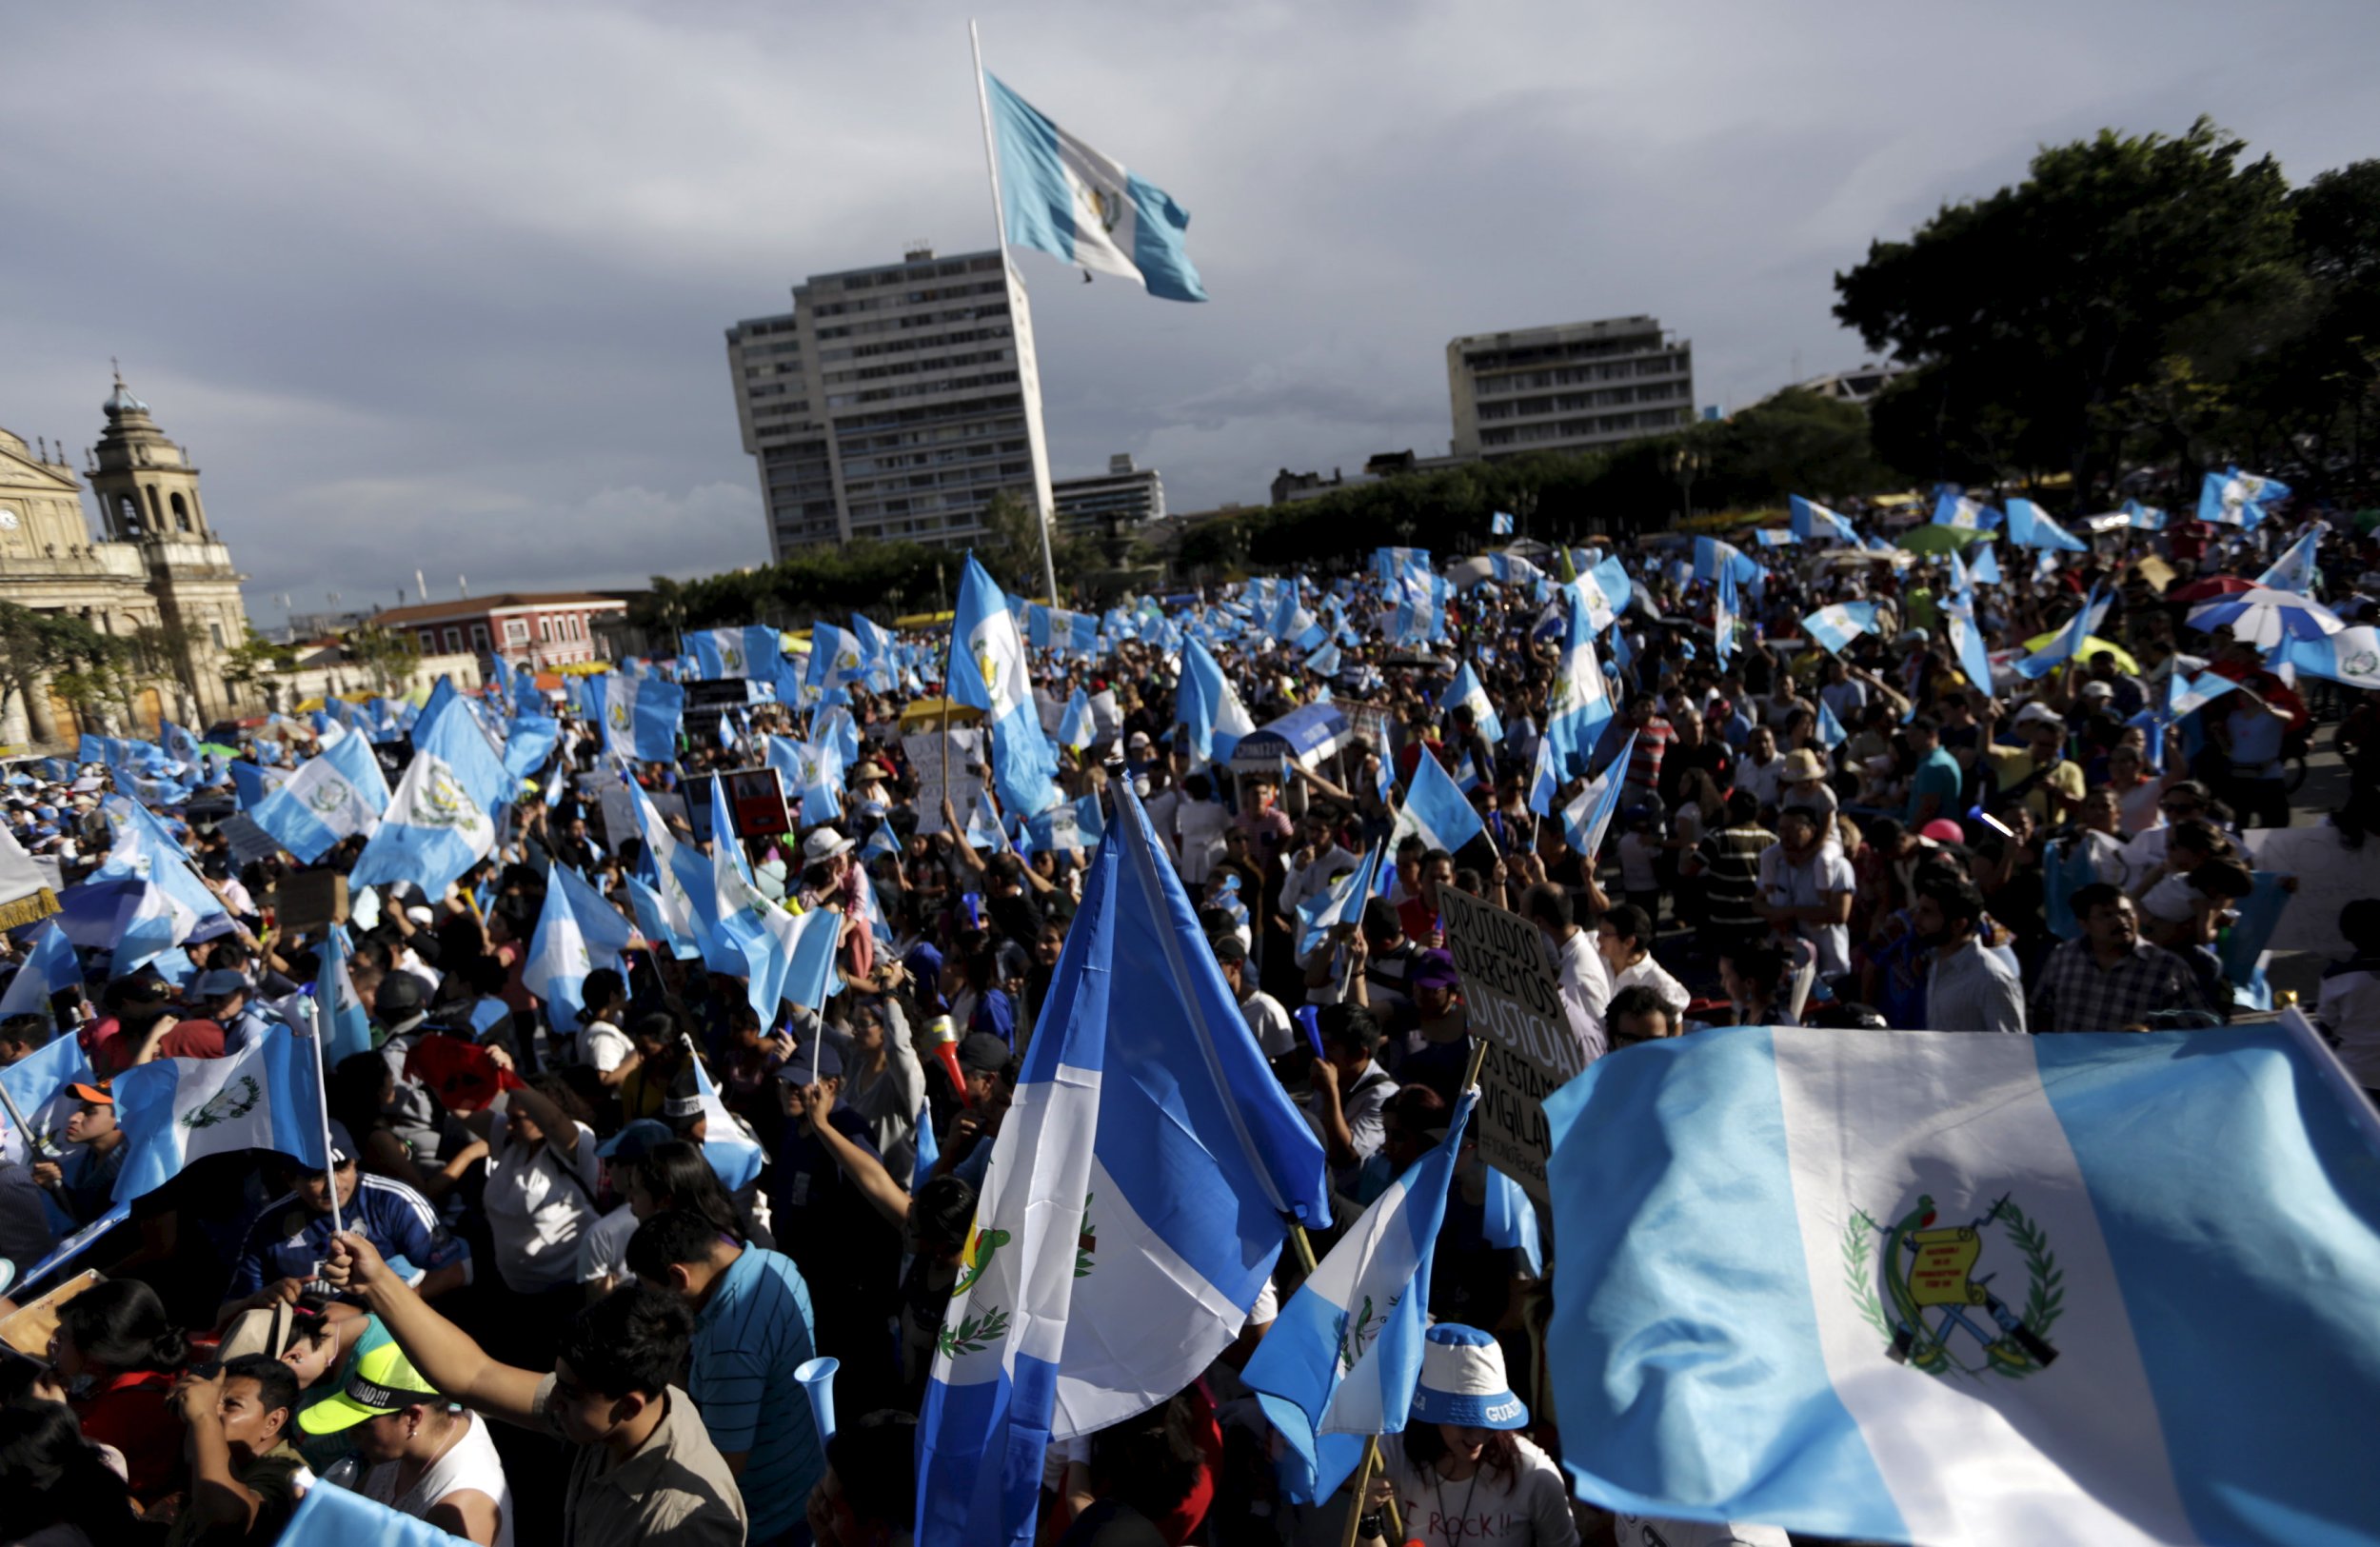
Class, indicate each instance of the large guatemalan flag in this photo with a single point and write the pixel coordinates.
(2093, 1288)
(1061, 196)
(1138, 1191)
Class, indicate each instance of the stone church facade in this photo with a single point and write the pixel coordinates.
(156, 572)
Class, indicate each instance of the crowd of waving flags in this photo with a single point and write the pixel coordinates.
(1983, 1322)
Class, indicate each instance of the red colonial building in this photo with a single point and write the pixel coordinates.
(540, 630)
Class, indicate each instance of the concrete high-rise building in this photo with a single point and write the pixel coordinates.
(1117, 500)
(1576, 386)
(156, 575)
(891, 402)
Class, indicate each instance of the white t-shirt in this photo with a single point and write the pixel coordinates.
(1761, 778)
(1274, 1032)
(535, 1211)
(1637, 853)
(1789, 886)
(1643, 1531)
(603, 1047)
(1650, 974)
(1529, 1506)
(1202, 824)
(470, 1464)
(603, 1246)
(1586, 983)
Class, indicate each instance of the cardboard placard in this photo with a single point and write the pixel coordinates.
(1514, 1000)
(925, 758)
(306, 900)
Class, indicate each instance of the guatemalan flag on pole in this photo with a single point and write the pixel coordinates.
(439, 822)
(1581, 703)
(987, 672)
(1061, 196)
(175, 1111)
(1138, 1191)
(1341, 1359)
(2095, 1288)
(339, 793)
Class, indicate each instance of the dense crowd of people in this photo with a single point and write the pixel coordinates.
(534, 1298)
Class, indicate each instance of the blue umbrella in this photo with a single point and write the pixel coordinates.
(2265, 617)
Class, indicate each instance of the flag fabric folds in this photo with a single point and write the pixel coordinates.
(2294, 569)
(439, 823)
(347, 1028)
(2232, 498)
(1436, 808)
(578, 930)
(1813, 522)
(175, 1111)
(988, 672)
(1581, 703)
(641, 717)
(2028, 525)
(1953, 1289)
(336, 794)
(1063, 198)
(1208, 706)
(1343, 1355)
(1588, 816)
(1466, 689)
(1136, 1201)
(1834, 627)
(48, 968)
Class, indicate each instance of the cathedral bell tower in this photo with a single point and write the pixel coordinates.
(148, 494)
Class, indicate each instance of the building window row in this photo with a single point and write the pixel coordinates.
(1578, 350)
(912, 298)
(915, 367)
(1666, 365)
(917, 389)
(912, 321)
(862, 351)
(1574, 429)
(1571, 401)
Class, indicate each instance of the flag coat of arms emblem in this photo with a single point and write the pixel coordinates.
(2091, 1288)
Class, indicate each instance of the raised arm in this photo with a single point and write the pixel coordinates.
(442, 1351)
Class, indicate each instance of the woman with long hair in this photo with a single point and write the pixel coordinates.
(55, 1487)
(1460, 1474)
(675, 1176)
(119, 1356)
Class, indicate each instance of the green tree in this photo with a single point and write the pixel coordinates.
(35, 646)
(2032, 315)
(253, 663)
(388, 654)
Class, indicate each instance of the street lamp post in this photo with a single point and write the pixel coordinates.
(1685, 466)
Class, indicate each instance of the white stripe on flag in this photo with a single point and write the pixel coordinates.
(1971, 1458)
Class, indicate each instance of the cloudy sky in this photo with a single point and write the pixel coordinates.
(442, 285)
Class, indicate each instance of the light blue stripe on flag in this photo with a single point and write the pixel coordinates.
(1049, 179)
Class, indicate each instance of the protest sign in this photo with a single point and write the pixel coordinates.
(1515, 1003)
(966, 785)
(1107, 721)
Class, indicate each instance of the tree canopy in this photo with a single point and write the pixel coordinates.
(2137, 298)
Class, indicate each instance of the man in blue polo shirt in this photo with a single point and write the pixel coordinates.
(752, 1330)
(291, 1235)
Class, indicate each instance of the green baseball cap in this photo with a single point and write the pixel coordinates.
(383, 1381)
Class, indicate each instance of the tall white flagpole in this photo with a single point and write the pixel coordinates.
(1020, 325)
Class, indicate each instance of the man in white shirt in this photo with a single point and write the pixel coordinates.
(1199, 820)
(1316, 862)
(1966, 987)
(1623, 938)
(1760, 766)
(602, 1045)
(1267, 1021)
(1586, 981)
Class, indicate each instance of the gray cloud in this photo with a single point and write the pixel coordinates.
(442, 284)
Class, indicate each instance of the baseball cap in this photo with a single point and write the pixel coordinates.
(99, 1093)
(1433, 969)
(2098, 690)
(818, 1062)
(383, 1381)
(983, 1053)
(216, 982)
